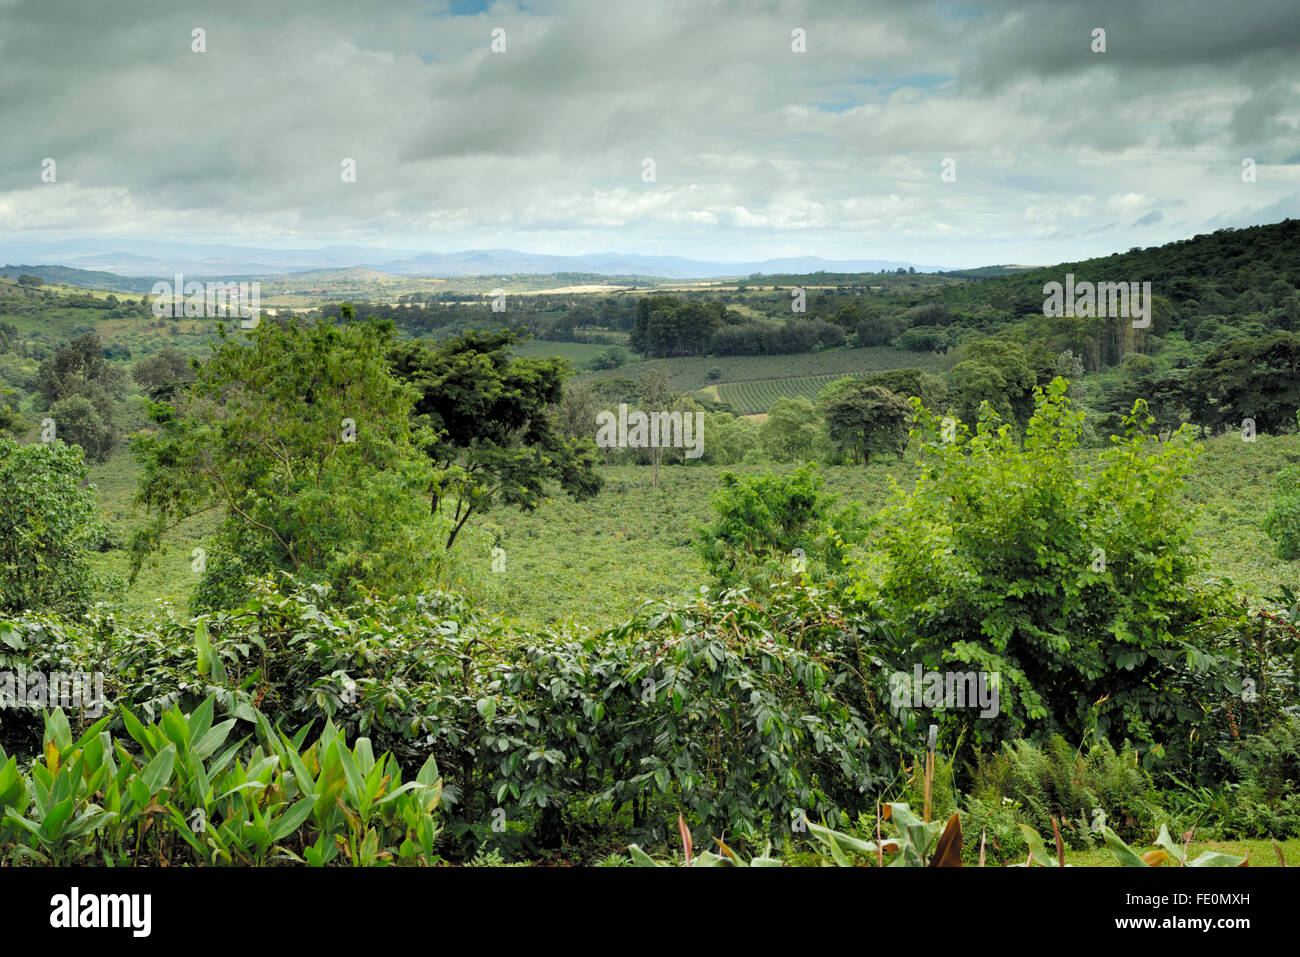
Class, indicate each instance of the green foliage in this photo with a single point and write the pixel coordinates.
(494, 438)
(78, 421)
(612, 358)
(1282, 523)
(179, 792)
(863, 419)
(794, 432)
(728, 857)
(771, 527)
(163, 374)
(996, 372)
(1264, 774)
(737, 713)
(300, 438)
(1080, 789)
(1074, 583)
(1167, 852)
(78, 385)
(914, 842)
(1256, 378)
(49, 528)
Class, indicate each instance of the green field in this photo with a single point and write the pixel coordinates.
(593, 561)
(757, 395)
(691, 374)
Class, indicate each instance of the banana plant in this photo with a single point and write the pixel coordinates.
(916, 843)
(728, 857)
(1167, 852)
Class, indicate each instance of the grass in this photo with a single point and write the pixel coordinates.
(592, 562)
(1258, 851)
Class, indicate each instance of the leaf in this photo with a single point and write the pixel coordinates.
(213, 739)
(1218, 859)
(1037, 852)
(947, 853)
(159, 771)
(428, 775)
(292, 819)
(204, 647)
(137, 731)
(1172, 850)
(1125, 855)
(640, 858)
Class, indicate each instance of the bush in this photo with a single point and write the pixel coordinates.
(770, 527)
(924, 339)
(737, 712)
(49, 528)
(1282, 523)
(1081, 790)
(1076, 584)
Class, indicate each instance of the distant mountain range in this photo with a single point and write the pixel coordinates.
(148, 258)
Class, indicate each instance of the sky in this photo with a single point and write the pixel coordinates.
(759, 150)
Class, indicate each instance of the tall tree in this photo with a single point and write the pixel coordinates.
(495, 436)
(300, 438)
(868, 418)
(1251, 378)
(79, 386)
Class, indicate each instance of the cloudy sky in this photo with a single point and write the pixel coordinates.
(759, 151)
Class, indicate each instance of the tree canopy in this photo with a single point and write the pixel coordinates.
(495, 434)
(301, 439)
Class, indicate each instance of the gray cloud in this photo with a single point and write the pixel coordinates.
(759, 151)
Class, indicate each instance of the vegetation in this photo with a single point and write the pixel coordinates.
(397, 536)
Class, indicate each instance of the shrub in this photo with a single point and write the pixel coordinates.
(739, 713)
(1282, 523)
(770, 527)
(1079, 789)
(49, 528)
(1074, 583)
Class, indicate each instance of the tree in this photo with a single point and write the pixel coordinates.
(769, 526)
(1251, 378)
(577, 411)
(794, 432)
(656, 396)
(612, 358)
(868, 418)
(78, 421)
(162, 374)
(49, 528)
(495, 437)
(999, 373)
(12, 424)
(299, 437)
(1162, 393)
(79, 368)
(1077, 582)
(79, 371)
